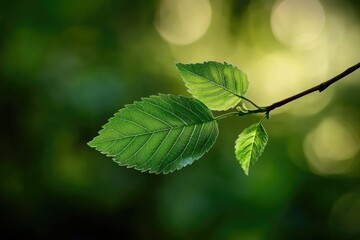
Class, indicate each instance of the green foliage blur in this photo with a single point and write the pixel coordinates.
(67, 66)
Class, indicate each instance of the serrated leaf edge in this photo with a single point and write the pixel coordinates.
(150, 170)
(246, 170)
(178, 65)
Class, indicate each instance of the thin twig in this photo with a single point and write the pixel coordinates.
(321, 87)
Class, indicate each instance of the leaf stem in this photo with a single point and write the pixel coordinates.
(262, 119)
(248, 100)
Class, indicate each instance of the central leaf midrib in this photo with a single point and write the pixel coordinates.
(253, 143)
(162, 130)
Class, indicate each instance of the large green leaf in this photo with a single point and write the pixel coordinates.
(218, 85)
(250, 145)
(159, 134)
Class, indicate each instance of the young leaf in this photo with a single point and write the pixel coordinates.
(250, 145)
(218, 85)
(160, 134)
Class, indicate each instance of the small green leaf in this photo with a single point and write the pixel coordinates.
(218, 85)
(160, 134)
(250, 145)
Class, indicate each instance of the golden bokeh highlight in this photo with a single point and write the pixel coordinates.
(278, 69)
(183, 22)
(331, 146)
(297, 23)
(277, 76)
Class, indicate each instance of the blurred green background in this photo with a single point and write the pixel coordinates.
(67, 66)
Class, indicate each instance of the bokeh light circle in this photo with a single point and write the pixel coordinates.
(297, 23)
(331, 146)
(183, 22)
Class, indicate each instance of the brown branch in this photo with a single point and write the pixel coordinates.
(321, 87)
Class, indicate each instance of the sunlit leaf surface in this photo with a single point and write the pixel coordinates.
(159, 134)
(250, 145)
(218, 85)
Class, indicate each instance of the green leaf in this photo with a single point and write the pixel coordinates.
(250, 145)
(218, 85)
(160, 134)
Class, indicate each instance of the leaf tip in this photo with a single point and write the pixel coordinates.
(246, 171)
(178, 64)
(91, 144)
